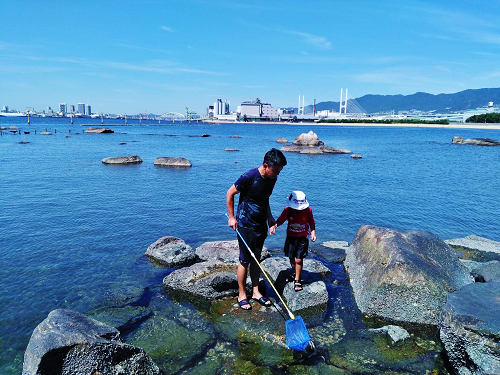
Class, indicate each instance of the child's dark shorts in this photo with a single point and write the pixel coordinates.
(254, 240)
(296, 247)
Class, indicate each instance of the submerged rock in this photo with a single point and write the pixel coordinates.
(470, 329)
(134, 159)
(68, 343)
(281, 140)
(404, 276)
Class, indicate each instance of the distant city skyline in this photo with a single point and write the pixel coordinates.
(160, 56)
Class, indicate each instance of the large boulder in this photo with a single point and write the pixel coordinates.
(308, 139)
(331, 251)
(314, 293)
(333, 150)
(208, 280)
(403, 275)
(70, 343)
(470, 329)
(171, 252)
(172, 162)
(133, 159)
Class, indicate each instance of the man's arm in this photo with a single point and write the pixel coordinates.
(232, 191)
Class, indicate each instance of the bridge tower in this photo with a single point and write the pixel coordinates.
(345, 104)
(300, 109)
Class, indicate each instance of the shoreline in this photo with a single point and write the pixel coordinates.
(358, 124)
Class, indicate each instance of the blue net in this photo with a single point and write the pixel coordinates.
(297, 337)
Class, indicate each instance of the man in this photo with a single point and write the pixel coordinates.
(253, 217)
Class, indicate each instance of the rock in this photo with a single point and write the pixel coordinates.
(99, 130)
(134, 159)
(172, 162)
(311, 151)
(208, 280)
(331, 251)
(291, 148)
(171, 252)
(236, 136)
(475, 141)
(395, 333)
(231, 149)
(356, 156)
(314, 293)
(475, 243)
(404, 276)
(332, 150)
(223, 251)
(483, 272)
(470, 329)
(68, 343)
(308, 139)
(46, 133)
(282, 140)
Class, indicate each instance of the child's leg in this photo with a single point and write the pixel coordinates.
(298, 268)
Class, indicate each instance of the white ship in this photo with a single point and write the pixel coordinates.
(13, 114)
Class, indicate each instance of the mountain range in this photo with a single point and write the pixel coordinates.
(441, 103)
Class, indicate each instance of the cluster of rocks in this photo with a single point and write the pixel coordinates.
(160, 161)
(99, 130)
(475, 141)
(407, 278)
(309, 143)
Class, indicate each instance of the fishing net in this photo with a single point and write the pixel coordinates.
(297, 337)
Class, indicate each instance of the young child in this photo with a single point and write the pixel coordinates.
(300, 224)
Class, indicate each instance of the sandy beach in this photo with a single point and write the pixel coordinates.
(399, 125)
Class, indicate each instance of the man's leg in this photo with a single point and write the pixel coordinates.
(241, 276)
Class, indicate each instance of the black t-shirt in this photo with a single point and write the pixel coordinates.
(255, 191)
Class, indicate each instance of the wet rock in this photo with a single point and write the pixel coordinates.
(356, 156)
(476, 244)
(282, 140)
(172, 162)
(171, 252)
(99, 130)
(470, 329)
(404, 276)
(231, 149)
(224, 251)
(68, 342)
(308, 139)
(475, 141)
(134, 159)
(314, 293)
(331, 251)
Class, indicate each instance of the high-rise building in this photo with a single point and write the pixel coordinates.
(71, 108)
(62, 108)
(81, 108)
(87, 110)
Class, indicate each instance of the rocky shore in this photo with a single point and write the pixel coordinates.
(393, 302)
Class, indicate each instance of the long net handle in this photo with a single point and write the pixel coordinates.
(265, 274)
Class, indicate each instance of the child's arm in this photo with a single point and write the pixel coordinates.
(313, 235)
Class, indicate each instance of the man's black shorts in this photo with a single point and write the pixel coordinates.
(253, 239)
(296, 247)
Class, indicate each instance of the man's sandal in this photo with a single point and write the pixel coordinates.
(297, 285)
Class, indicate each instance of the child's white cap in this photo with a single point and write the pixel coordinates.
(297, 200)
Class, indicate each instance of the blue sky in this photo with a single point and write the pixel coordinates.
(158, 56)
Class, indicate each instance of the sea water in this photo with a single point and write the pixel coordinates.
(72, 228)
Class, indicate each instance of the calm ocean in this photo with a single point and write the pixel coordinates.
(73, 228)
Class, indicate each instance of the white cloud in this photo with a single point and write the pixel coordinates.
(166, 28)
(317, 41)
